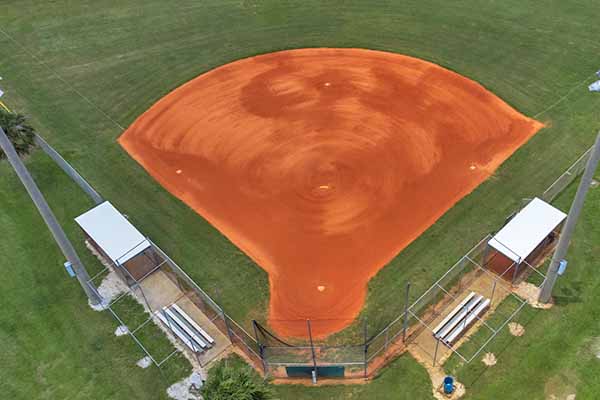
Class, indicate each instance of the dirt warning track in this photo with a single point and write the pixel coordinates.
(323, 164)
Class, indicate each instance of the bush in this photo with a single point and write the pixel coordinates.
(234, 381)
(19, 133)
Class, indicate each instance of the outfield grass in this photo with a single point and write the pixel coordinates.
(87, 69)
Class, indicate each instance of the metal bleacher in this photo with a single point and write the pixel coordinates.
(185, 328)
(458, 321)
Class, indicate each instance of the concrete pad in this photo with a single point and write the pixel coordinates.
(160, 291)
(221, 340)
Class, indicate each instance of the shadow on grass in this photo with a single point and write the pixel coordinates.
(570, 294)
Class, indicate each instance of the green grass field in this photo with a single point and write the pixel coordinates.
(53, 345)
(84, 71)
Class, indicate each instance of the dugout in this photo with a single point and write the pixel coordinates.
(118, 242)
(524, 240)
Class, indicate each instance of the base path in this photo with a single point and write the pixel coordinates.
(323, 164)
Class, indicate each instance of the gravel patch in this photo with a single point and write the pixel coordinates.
(489, 359)
(516, 329)
(121, 330)
(144, 362)
(187, 388)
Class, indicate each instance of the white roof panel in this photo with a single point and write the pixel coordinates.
(522, 234)
(115, 235)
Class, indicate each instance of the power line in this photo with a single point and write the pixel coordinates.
(53, 72)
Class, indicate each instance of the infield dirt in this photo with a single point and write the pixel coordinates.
(323, 164)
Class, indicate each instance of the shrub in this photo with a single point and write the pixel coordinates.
(234, 381)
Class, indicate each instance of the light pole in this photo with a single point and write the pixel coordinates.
(40, 202)
(567, 231)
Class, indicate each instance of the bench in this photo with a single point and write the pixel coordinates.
(452, 314)
(196, 348)
(461, 318)
(185, 328)
(467, 322)
(193, 324)
(189, 332)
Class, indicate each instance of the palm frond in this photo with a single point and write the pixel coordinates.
(21, 135)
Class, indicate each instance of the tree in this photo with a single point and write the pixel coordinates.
(239, 382)
(21, 135)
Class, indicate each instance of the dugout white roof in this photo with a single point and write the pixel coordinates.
(517, 239)
(115, 235)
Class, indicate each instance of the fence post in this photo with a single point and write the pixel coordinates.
(515, 272)
(485, 256)
(437, 344)
(260, 347)
(227, 327)
(366, 348)
(405, 325)
(312, 349)
(387, 339)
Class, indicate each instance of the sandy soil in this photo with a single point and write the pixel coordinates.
(516, 329)
(529, 292)
(437, 375)
(144, 362)
(110, 288)
(323, 164)
(489, 359)
(562, 386)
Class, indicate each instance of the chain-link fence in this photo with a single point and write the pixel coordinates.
(469, 278)
(313, 358)
(567, 177)
(367, 352)
(329, 358)
(237, 335)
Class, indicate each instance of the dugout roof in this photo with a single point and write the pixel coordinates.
(113, 233)
(522, 234)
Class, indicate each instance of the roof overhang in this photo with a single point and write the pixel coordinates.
(522, 234)
(113, 233)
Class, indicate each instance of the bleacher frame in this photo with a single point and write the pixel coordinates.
(450, 289)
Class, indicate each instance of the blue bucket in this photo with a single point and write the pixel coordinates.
(448, 385)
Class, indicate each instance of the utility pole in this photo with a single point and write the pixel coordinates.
(40, 202)
(567, 232)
